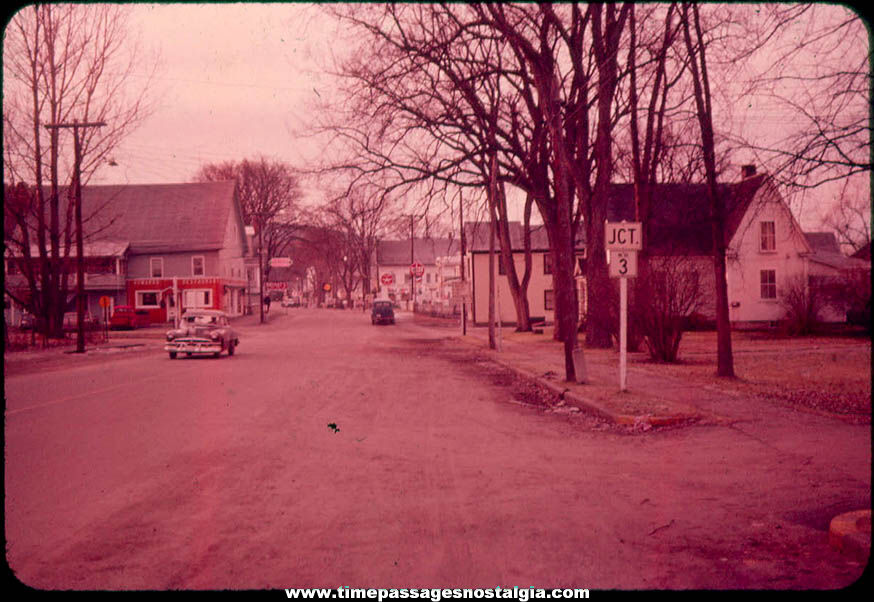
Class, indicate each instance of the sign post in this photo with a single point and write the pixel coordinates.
(105, 302)
(416, 271)
(623, 240)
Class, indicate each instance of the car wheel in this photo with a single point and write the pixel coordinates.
(172, 355)
(231, 349)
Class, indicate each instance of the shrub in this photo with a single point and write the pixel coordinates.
(667, 296)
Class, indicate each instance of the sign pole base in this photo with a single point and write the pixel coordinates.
(623, 334)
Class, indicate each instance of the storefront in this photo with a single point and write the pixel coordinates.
(161, 297)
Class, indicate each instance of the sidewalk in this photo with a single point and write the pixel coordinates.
(650, 399)
(115, 341)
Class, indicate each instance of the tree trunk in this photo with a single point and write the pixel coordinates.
(725, 359)
(519, 295)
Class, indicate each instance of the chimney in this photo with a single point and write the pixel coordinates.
(747, 171)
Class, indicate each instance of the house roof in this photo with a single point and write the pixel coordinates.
(477, 237)
(162, 217)
(840, 262)
(863, 253)
(823, 242)
(99, 248)
(680, 222)
(825, 250)
(425, 250)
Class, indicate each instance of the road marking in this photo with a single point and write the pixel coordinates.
(74, 397)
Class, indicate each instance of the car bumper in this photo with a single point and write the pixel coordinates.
(194, 347)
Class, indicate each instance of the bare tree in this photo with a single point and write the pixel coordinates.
(850, 217)
(361, 214)
(429, 104)
(268, 192)
(696, 47)
(62, 63)
(816, 73)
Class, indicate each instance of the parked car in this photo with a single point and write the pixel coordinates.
(71, 321)
(291, 302)
(128, 318)
(202, 332)
(382, 311)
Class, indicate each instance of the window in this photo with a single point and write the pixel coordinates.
(549, 300)
(769, 237)
(197, 265)
(147, 299)
(547, 263)
(100, 265)
(196, 298)
(769, 284)
(156, 267)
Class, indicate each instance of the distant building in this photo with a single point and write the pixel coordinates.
(393, 257)
(541, 293)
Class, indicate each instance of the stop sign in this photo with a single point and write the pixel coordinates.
(387, 279)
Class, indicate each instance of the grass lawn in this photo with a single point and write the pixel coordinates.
(831, 374)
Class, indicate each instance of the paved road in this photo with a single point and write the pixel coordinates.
(138, 472)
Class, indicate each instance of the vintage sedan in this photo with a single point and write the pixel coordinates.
(202, 332)
(382, 311)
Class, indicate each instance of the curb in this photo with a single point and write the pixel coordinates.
(850, 534)
(572, 398)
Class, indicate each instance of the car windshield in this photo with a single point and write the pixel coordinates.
(202, 320)
(382, 305)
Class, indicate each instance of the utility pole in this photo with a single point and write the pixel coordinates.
(463, 286)
(412, 261)
(80, 246)
(261, 265)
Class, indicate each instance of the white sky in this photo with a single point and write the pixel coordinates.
(235, 81)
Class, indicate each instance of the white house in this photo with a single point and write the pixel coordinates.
(392, 269)
(767, 253)
(769, 256)
(541, 294)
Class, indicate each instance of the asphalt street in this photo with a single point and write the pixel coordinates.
(330, 452)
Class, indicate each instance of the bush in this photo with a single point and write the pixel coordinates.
(667, 297)
(802, 305)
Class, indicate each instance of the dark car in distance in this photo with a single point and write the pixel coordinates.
(382, 311)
